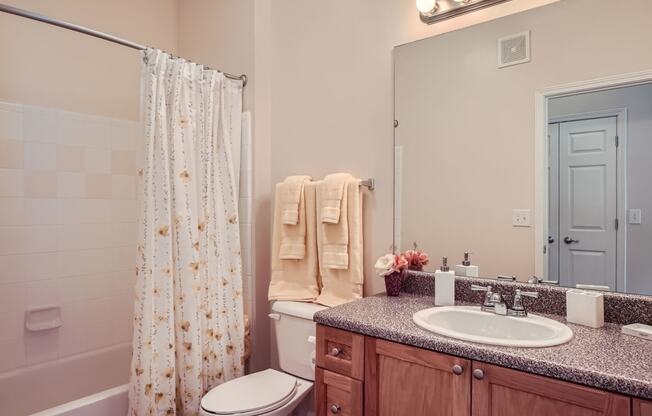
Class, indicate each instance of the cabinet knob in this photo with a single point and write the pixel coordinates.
(457, 369)
(335, 409)
(335, 352)
(478, 374)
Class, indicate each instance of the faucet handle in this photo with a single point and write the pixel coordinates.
(478, 288)
(519, 292)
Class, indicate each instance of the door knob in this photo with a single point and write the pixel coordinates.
(551, 240)
(478, 374)
(335, 352)
(335, 409)
(569, 240)
(457, 369)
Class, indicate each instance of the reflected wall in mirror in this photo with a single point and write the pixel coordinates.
(475, 170)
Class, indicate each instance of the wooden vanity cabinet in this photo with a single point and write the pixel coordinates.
(360, 375)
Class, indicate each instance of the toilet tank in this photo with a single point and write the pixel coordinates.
(295, 332)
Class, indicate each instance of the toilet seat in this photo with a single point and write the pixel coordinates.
(251, 395)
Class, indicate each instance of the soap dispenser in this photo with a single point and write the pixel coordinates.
(466, 268)
(444, 285)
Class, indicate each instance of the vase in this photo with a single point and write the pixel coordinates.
(393, 283)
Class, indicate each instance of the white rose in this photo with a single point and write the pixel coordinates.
(384, 265)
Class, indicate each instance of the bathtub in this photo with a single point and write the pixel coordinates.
(88, 384)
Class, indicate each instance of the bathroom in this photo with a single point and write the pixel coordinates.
(449, 116)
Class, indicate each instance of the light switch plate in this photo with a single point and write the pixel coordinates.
(521, 218)
(634, 216)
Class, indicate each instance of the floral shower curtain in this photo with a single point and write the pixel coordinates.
(188, 323)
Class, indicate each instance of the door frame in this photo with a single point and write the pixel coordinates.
(541, 98)
(621, 184)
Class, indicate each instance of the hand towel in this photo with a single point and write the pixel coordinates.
(334, 249)
(293, 232)
(333, 191)
(292, 190)
(296, 279)
(339, 285)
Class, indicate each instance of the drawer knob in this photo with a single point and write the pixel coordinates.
(478, 374)
(457, 369)
(335, 352)
(335, 409)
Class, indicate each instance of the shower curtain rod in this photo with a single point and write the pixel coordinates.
(81, 29)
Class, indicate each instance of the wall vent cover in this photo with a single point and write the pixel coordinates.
(514, 49)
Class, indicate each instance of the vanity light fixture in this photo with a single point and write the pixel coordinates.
(432, 11)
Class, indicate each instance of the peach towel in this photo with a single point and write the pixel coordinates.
(343, 285)
(293, 214)
(295, 279)
(332, 194)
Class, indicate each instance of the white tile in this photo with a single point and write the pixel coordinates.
(123, 282)
(84, 130)
(71, 289)
(122, 258)
(84, 236)
(122, 318)
(12, 211)
(40, 266)
(73, 332)
(99, 335)
(123, 234)
(12, 268)
(40, 211)
(11, 122)
(13, 355)
(12, 298)
(42, 293)
(86, 262)
(124, 210)
(41, 346)
(124, 135)
(11, 182)
(71, 185)
(81, 211)
(12, 240)
(11, 326)
(124, 186)
(40, 156)
(40, 239)
(40, 124)
(98, 161)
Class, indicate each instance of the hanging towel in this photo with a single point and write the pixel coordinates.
(291, 193)
(344, 285)
(334, 249)
(296, 279)
(293, 237)
(332, 194)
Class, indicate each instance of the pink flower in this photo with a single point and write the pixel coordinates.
(416, 259)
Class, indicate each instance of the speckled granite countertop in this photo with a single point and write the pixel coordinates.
(602, 358)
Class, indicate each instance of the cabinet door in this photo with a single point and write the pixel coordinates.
(498, 391)
(403, 380)
(336, 394)
(642, 407)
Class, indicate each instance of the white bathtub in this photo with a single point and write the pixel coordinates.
(80, 385)
(112, 402)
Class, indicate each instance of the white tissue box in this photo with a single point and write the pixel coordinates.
(585, 308)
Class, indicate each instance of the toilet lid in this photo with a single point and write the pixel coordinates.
(251, 395)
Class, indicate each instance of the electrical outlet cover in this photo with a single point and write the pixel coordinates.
(521, 218)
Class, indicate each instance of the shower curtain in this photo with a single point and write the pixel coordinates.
(188, 323)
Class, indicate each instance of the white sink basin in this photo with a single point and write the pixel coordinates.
(469, 323)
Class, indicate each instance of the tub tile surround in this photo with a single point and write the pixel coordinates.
(619, 308)
(68, 214)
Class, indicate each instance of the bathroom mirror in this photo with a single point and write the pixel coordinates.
(527, 141)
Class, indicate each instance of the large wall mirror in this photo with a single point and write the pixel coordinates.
(527, 141)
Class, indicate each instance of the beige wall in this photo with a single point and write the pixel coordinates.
(49, 66)
(468, 127)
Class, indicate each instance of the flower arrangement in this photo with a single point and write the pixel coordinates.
(416, 259)
(389, 264)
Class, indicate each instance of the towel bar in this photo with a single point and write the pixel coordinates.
(369, 183)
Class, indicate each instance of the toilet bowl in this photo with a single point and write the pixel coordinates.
(271, 392)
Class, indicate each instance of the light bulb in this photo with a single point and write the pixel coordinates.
(426, 6)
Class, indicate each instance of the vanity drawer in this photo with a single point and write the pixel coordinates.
(340, 351)
(336, 394)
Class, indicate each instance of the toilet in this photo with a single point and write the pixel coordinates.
(271, 392)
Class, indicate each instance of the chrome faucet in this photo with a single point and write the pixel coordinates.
(494, 303)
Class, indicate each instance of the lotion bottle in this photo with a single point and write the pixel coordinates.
(444, 285)
(466, 268)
